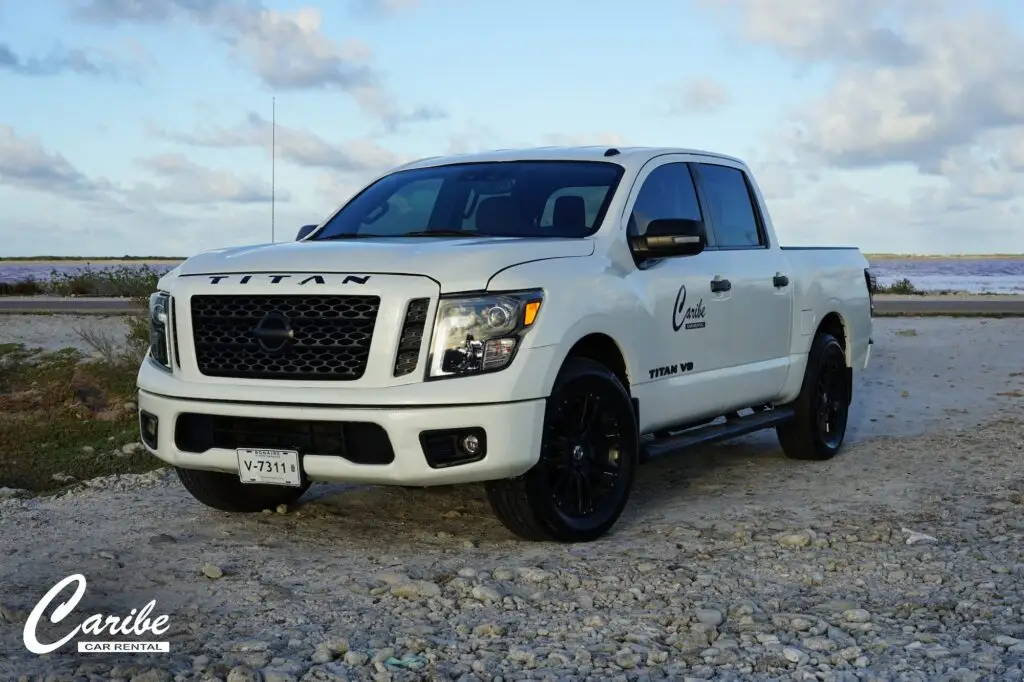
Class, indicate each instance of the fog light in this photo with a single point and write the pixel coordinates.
(149, 428)
(470, 444)
(453, 447)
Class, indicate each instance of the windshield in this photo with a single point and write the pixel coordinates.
(500, 199)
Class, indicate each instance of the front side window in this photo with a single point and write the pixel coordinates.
(500, 199)
(668, 192)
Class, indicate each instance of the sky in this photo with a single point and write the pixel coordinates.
(144, 127)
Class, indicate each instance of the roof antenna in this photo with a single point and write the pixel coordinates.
(273, 160)
(612, 151)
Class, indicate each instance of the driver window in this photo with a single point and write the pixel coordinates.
(407, 210)
(668, 192)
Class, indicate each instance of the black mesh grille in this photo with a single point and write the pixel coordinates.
(330, 336)
(358, 442)
(412, 337)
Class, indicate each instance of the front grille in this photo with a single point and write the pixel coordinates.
(408, 355)
(330, 336)
(358, 442)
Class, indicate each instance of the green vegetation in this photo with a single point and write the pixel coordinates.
(901, 287)
(65, 414)
(122, 281)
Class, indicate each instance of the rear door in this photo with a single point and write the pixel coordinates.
(760, 320)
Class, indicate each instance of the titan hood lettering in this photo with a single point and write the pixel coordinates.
(277, 279)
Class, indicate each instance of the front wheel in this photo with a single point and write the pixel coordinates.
(226, 493)
(822, 408)
(589, 452)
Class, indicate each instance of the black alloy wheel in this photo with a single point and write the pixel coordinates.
(589, 452)
(823, 406)
(832, 405)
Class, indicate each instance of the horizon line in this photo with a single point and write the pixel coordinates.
(880, 254)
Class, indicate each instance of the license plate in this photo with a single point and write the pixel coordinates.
(273, 467)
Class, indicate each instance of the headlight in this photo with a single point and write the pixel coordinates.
(159, 322)
(478, 334)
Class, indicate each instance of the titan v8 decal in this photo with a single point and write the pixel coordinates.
(687, 318)
(669, 370)
(277, 279)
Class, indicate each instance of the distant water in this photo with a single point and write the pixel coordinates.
(975, 275)
(14, 271)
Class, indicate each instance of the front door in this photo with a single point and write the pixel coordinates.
(684, 347)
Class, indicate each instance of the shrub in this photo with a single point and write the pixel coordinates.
(902, 287)
(123, 281)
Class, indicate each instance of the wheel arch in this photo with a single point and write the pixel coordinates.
(595, 345)
(603, 349)
(833, 323)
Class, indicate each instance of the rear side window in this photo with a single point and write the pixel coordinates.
(668, 192)
(729, 203)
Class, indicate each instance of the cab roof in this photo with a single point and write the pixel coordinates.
(623, 156)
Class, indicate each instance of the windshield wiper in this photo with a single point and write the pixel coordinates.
(439, 233)
(349, 235)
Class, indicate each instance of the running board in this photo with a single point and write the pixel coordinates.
(703, 435)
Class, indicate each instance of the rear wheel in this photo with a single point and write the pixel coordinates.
(582, 482)
(225, 492)
(822, 409)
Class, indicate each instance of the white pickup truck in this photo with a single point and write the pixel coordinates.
(542, 321)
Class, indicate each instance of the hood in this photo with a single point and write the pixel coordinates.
(456, 263)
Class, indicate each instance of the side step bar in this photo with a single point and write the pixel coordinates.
(702, 435)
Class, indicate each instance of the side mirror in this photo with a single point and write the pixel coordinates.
(670, 237)
(305, 230)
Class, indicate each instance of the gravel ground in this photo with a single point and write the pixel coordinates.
(53, 332)
(901, 559)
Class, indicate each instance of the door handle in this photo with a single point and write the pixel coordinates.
(719, 285)
(780, 280)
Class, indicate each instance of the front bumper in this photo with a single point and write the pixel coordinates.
(512, 437)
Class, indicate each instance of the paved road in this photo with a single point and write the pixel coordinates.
(73, 306)
(946, 305)
(903, 305)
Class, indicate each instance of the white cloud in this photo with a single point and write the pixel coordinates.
(185, 182)
(474, 137)
(26, 164)
(912, 84)
(285, 50)
(702, 95)
(848, 30)
(969, 80)
(603, 138)
(383, 7)
(292, 144)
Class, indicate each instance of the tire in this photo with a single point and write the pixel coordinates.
(822, 408)
(225, 492)
(534, 506)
